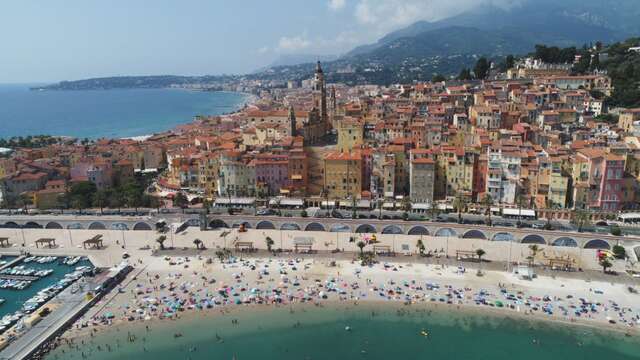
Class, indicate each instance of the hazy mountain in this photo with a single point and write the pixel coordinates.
(552, 22)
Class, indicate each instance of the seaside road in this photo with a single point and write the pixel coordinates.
(69, 305)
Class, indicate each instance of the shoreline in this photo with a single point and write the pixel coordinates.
(399, 285)
(120, 325)
(247, 99)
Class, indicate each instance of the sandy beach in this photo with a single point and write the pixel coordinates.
(167, 288)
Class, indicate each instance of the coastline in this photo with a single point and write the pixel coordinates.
(200, 331)
(137, 120)
(532, 319)
(239, 277)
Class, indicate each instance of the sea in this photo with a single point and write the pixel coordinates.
(355, 332)
(106, 113)
(14, 299)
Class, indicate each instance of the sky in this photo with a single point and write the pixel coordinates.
(52, 40)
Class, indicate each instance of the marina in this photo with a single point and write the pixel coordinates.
(30, 282)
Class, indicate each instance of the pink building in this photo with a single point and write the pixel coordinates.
(272, 172)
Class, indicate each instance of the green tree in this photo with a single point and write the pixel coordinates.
(619, 252)
(581, 219)
(81, 193)
(420, 246)
(481, 70)
(615, 230)
(434, 210)
(269, 241)
(487, 202)
(534, 249)
(438, 78)
(510, 61)
(465, 74)
(606, 264)
(361, 246)
(480, 253)
(460, 205)
(180, 200)
(160, 240)
(100, 199)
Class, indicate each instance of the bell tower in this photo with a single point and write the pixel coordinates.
(320, 93)
(292, 122)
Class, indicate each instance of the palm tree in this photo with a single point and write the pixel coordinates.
(520, 199)
(605, 263)
(435, 210)
(480, 253)
(459, 203)
(420, 246)
(534, 251)
(380, 206)
(197, 243)
(487, 201)
(361, 245)
(160, 240)
(269, 242)
(354, 208)
(581, 219)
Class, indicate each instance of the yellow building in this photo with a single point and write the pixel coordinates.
(350, 135)
(626, 119)
(343, 175)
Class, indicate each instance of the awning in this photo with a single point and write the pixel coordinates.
(517, 212)
(234, 201)
(420, 206)
(287, 202)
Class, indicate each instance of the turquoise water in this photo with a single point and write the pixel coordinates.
(16, 298)
(392, 333)
(106, 113)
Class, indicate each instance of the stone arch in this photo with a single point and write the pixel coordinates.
(290, 226)
(246, 224)
(96, 225)
(11, 225)
(53, 225)
(392, 229)
(474, 234)
(314, 226)
(341, 228)
(565, 241)
(446, 232)
(597, 244)
(503, 236)
(32, 225)
(75, 226)
(119, 226)
(218, 224)
(142, 226)
(533, 239)
(366, 228)
(265, 225)
(418, 230)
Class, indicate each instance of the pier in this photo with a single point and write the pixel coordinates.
(12, 263)
(18, 277)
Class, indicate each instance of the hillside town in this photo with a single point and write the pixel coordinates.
(535, 137)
